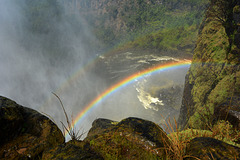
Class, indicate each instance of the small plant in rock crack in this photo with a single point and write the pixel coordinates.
(70, 128)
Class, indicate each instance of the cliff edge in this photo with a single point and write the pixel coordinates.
(212, 85)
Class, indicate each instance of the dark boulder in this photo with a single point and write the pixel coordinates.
(131, 138)
(208, 148)
(99, 126)
(75, 150)
(25, 133)
(229, 111)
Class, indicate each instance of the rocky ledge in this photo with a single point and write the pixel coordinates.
(27, 134)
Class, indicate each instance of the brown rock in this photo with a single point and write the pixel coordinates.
(229, 111)
(25, 133)
(131, 138)
(76, 150)
(206, 148)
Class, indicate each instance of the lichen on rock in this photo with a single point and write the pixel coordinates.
(25, 133)
(213, 78)
(131, 138)
(208, 148)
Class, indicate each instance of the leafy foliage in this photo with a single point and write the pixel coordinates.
(174, 39)
(118, 23)
(141, 18)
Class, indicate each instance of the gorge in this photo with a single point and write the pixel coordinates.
(148, 48)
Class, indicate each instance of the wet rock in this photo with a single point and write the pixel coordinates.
(100, 125)
(131, 138)
(229, 111)
(75, 150)
(236, 17)
(187, 104)
(214, 75)
(208, 148)
(25, 133)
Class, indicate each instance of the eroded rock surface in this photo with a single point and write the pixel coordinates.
(75, 150)
(214, 76)
(25, 133)
(229, 111)
(208, 148)
(131, 138)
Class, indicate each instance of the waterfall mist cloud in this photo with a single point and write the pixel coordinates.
(42, 44)
(40, 50)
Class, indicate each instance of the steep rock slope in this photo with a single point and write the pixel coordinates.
(123, 15)
(212, 85)
(121, 21)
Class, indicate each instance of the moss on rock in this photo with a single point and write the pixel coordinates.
(131, 138)
(208, 148)
(76, 150)
(213, 76)
(25, 134)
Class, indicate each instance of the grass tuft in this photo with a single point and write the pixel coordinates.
(70, 128)
(176, 149)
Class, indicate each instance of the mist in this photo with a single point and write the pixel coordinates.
(37, 58)
(42, 50)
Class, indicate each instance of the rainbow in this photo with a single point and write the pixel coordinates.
(126, 81)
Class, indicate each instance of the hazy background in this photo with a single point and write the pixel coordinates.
(42, 46)
(39, 50)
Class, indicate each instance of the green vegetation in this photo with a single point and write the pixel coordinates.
(144, 24)
(117, 146)
(170, 25)
(131, 138)
(222, 131)
(212, 78)
(174, 39)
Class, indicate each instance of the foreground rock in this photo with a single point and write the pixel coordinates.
(131, 138)
(229, 111)
(25, 133)
(208, 148)
(75, 150)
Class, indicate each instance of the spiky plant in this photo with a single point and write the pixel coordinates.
(70, 128)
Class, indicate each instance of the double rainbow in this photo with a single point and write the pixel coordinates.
(126, 81)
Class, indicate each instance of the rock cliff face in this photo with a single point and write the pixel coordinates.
(113, 21)
(212, 86)
(107, 13)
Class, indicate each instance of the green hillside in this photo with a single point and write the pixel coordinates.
(158, 25)
(162, 25)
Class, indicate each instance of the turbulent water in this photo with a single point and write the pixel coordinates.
(155, 97)
(34, 64)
